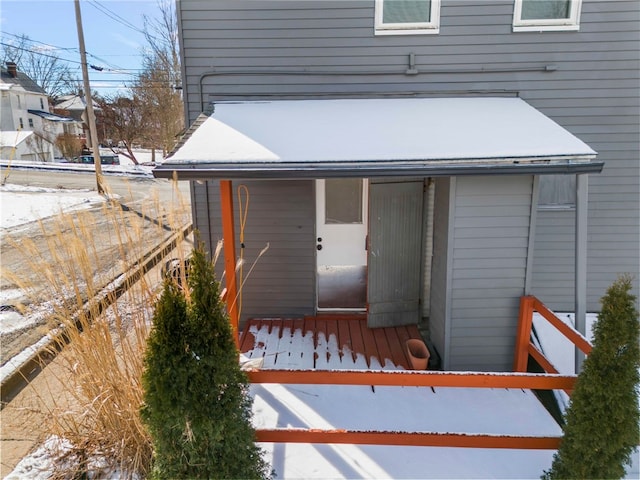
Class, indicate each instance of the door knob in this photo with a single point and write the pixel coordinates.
(319, 247)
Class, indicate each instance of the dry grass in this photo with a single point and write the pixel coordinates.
(98, 410)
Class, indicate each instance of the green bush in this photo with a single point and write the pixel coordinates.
(197, 407)
(601, 429)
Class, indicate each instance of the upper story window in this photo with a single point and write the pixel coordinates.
(30, 122)
(19, 101)
(551, 15)
(407, 17)
(41, 104)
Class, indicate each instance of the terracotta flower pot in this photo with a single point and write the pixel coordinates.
(418, 354)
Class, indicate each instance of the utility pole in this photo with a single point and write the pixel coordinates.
(91, 118)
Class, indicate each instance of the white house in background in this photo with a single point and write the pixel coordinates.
(74, 106)
(28, 128)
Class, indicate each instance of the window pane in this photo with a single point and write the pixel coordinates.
(343, 200)
(406, 11)
(545, 9)
(557, 190)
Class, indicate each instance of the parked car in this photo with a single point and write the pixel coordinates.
(104, 159)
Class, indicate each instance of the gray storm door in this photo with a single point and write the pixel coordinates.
(395, 253)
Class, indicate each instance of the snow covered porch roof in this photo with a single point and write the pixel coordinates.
(376, 137)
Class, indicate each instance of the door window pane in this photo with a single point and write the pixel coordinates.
(343, 200)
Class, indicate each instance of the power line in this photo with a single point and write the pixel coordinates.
(39, 53)
(117, 18)
(28, 39)
(116, 70)
(116, 67)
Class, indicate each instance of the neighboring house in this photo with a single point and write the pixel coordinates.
(428, 161)
(75, 106)
(29, 130)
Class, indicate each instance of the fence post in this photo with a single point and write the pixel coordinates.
(523, 335)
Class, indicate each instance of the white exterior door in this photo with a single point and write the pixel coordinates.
(341, 235)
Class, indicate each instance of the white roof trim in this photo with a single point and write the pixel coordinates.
(322, 133)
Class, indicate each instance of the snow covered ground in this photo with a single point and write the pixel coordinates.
(126, 167)
(22, 204)
(494, 411)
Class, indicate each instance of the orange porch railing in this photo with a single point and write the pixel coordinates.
(524, 345)
(551, 380)
(534, 381)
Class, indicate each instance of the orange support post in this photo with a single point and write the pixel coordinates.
(525, 320)
(229, 243)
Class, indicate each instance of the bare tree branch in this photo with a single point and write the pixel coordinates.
(43, 67)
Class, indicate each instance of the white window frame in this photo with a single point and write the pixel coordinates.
(547, 24)
(417, 28)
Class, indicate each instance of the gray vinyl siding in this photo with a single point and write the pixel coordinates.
(554, 258)
(281, 214)
(491, 221)
(587, 81)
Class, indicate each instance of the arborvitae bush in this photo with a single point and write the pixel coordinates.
(601, 429)
(197, 407)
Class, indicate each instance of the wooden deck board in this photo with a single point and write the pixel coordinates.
(345, 342)
(322, 357)
(396, 346)
(333, 345)
(272, 343)
(384, 352)
(325, 343)
(370, 348)
(357, 343)
(247, 339)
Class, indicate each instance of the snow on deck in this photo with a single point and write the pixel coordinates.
(325, 344)
(412, 409)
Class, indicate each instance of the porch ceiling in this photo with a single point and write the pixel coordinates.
(376, 137)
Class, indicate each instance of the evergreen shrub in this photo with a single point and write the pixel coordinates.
(601, 429)
(197, 406)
